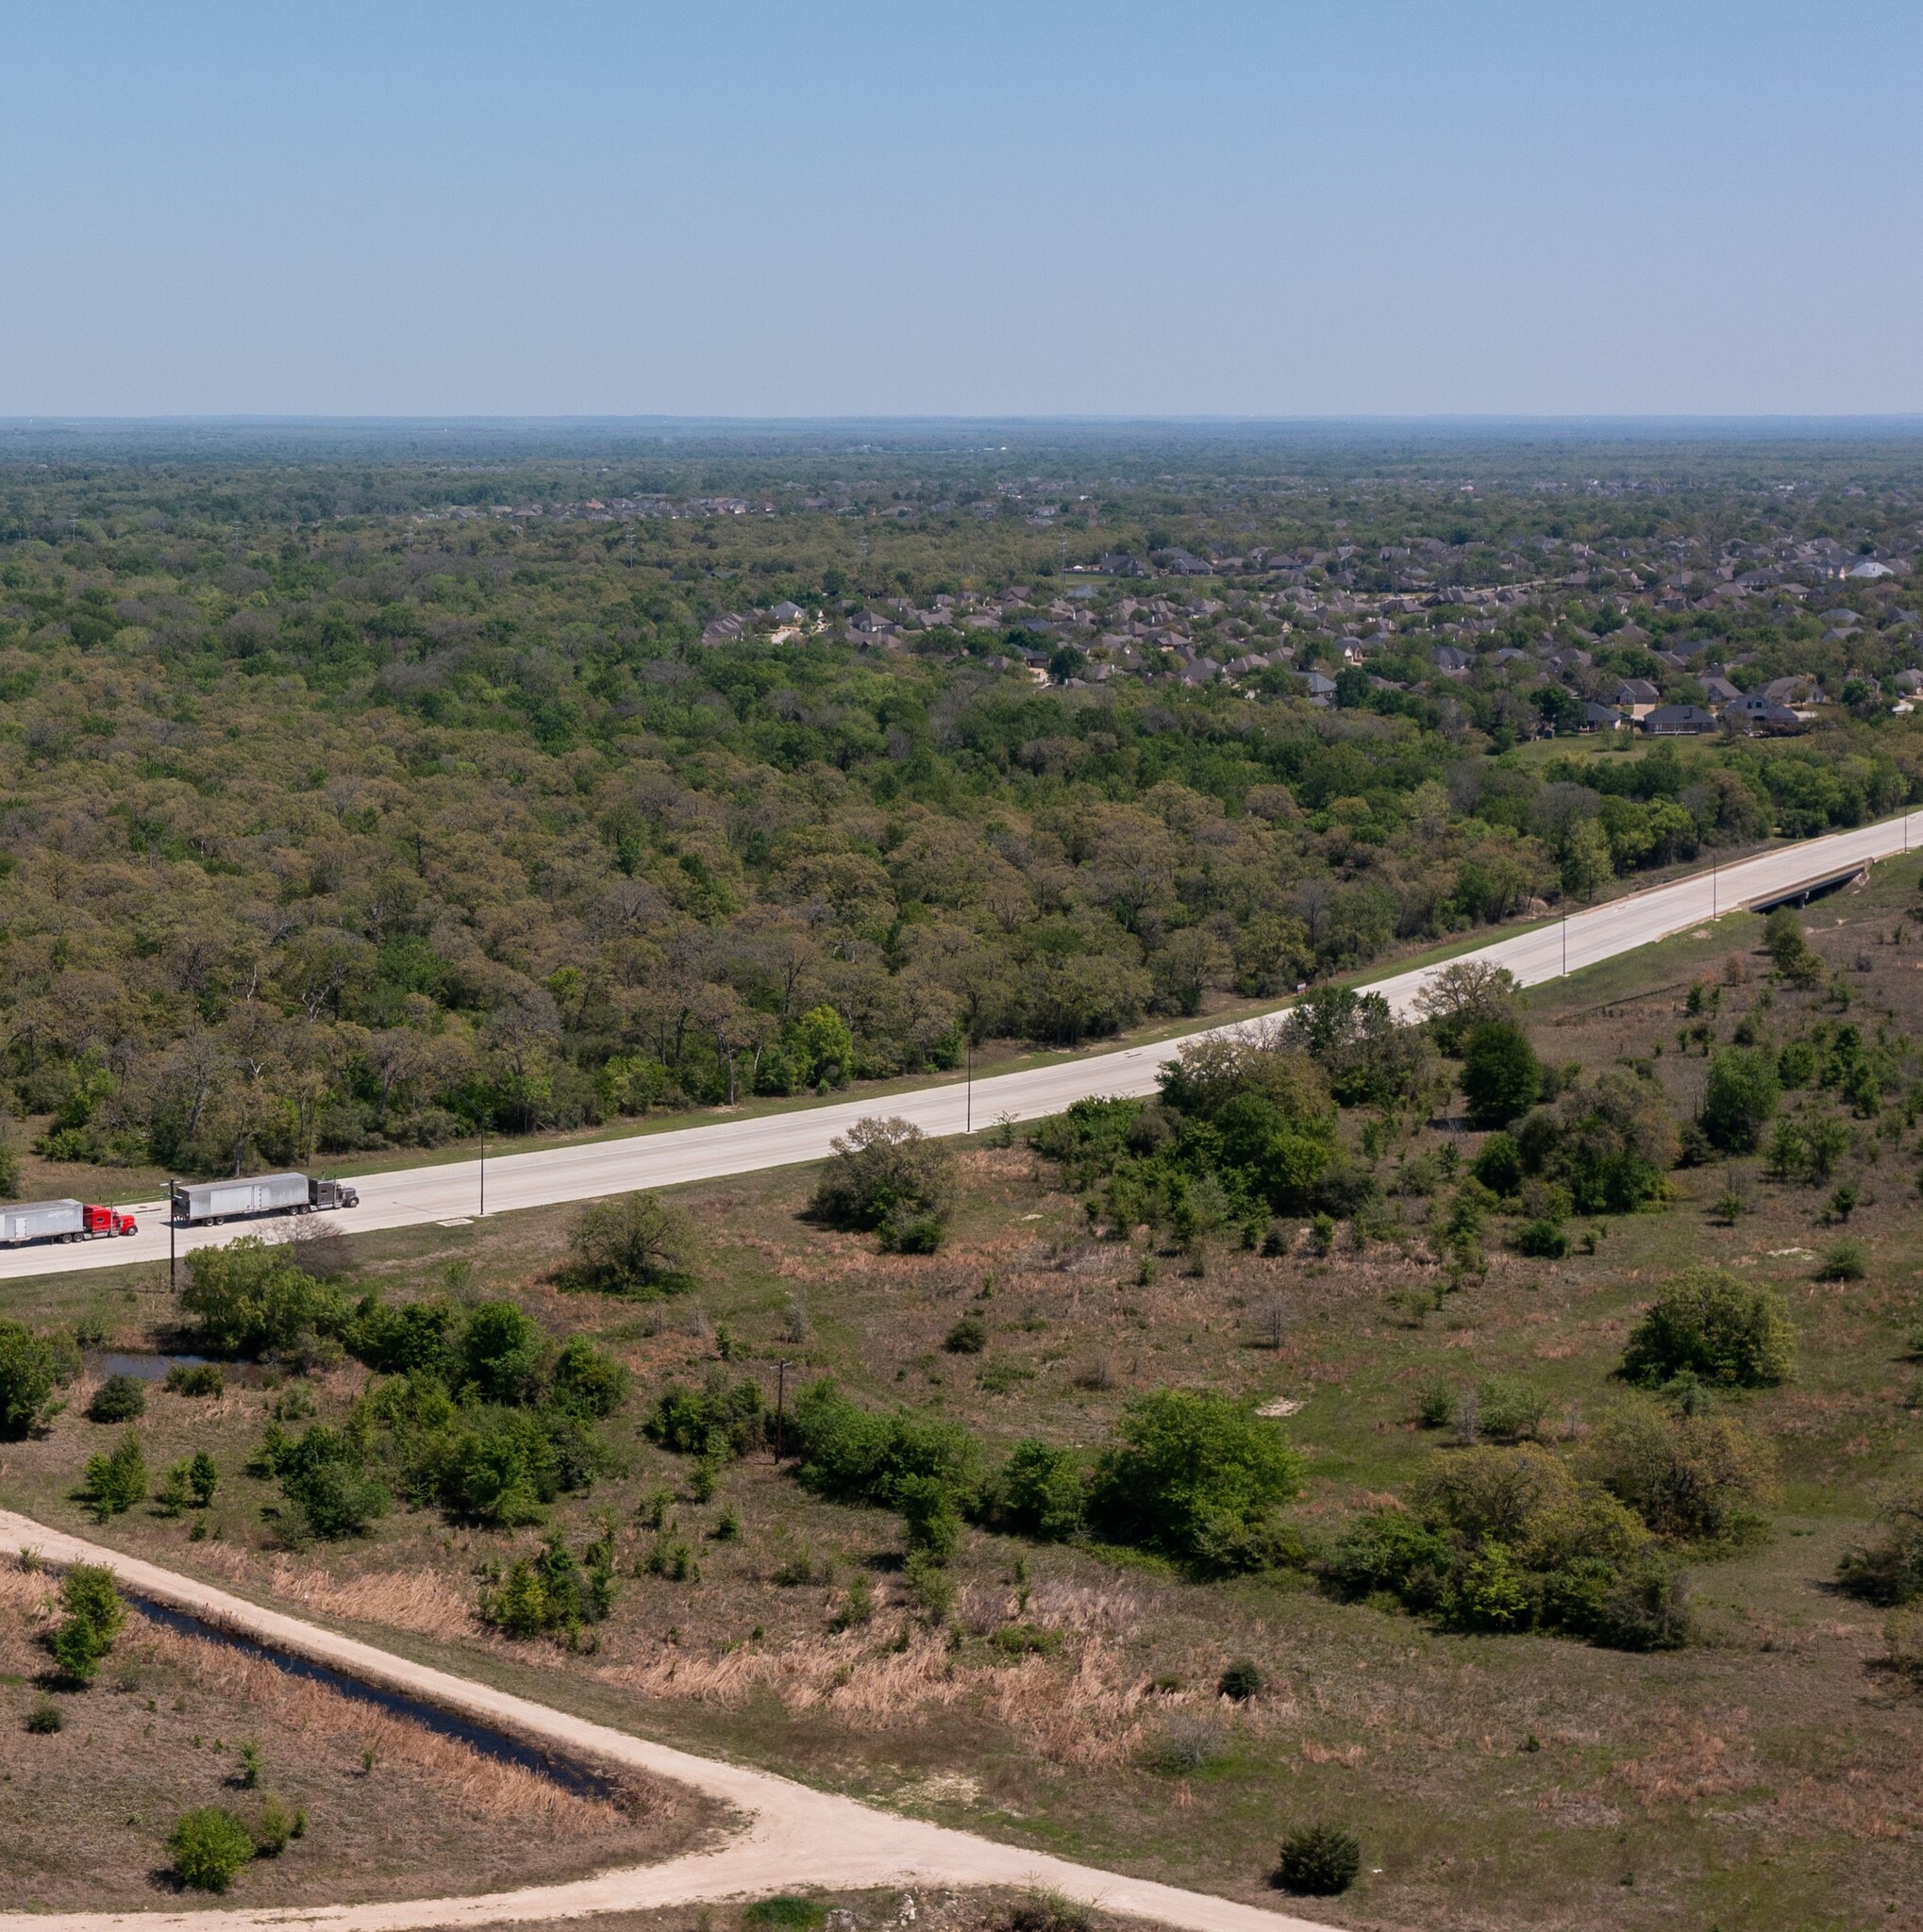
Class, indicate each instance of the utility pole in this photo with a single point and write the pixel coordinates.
(173, 1265)
(1713, 885)
(970, 1128)
(1565, 938)
(780, 1402)
(483, 1167)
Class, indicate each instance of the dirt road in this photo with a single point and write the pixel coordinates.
(790, 1837)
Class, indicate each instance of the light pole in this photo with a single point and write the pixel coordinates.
(780, 1402)
(1713, 885)
(483, 1167)
(172, 1268)
(1565, 938)
(970, 1084)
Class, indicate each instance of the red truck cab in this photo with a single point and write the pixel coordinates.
(108, 1221)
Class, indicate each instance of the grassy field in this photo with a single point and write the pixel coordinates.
(1764, 1776)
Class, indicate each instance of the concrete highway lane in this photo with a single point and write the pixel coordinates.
(410, 1196)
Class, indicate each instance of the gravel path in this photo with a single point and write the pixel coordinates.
(790, 1837)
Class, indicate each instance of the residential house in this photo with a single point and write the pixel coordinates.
(1756, 711)
(1677, 720)
(1636, 695)
(1721, 692)
(1602, 718)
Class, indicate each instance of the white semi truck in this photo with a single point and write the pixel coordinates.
(197, 1203)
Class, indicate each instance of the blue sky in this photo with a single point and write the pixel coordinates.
(571, 206)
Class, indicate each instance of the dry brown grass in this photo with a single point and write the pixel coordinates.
(482, 1786)
(419, 1599)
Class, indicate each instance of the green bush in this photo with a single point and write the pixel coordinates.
(1844, 1261)
(1241, 1680)
(1319, 1861)
(1196, 1476)
(931, 1514)
(43, 1717)
(1508, 1409)
(196, 1378)
(1499, 1166)
(884, 1174)
(586, 1380)
(635, 1245)
(969, 1336)
(715, 1421)
(31, 1367)
(210, 1846)
(502, 1353)
(554, 1593)
(93, 1618)
(119, 1399)
(1888, 1570)
(1691, 1477)
(863, 1455)
(112, 1484)
(1041, 1492)
(786, 1912)
(1542, 1240)
(1647, 1609)
(277, 1826)
(1709, 1323)
(327, 1490)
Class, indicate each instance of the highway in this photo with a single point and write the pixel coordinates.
(408, 1197)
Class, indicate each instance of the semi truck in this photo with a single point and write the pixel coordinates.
(62, 1221)
(198, 1204)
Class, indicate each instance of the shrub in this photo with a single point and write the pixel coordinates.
(1509, 1409)
(1542, 1240)
(501, 1352)
(1319, 1861)
(930, 1588)
(1740, 1098)
(786, 1913)
(907, 1233)
(634, 1245)
(1691, 1477)
(1904, 1644)
(196, 1378)
(1194, 1476)
(1041, 1492)
(30, 1370)
(1435, 1405)
(863, 1455)
(1844, 1261)
(1717, 1327)
(1182, 1747)
(94, 1616)
(931, 1514)
(1647, 1609)
(554, 1592)
(112, 1484)
(969, 1336)
(1499, 1166)
(1241, 1680)
(119, 1399)
(44, 1718)
(715, 1421)
(1502, 1075)
(586, 1380)
(210, 1846)
(1888, 1570)
(277, 1826)
(249, 1299)
(328, 1491)
(881, 1168)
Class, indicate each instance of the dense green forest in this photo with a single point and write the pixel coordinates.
(356, 793)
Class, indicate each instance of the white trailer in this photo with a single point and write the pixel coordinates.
(43, 1220)
(262, 1193)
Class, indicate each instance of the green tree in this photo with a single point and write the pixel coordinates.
(31, 1367)
(210, 1847)
(249, 1299)
(1502, 1075)
(94, 1616)
(113, 1483)
(1585, 866)
(1740, 1098)
(634, 1245)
